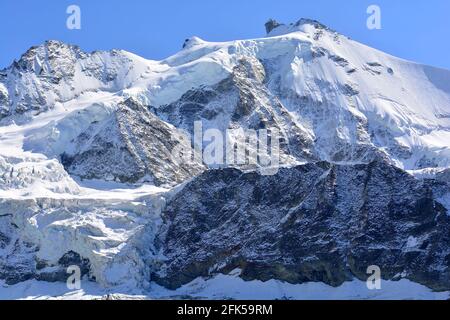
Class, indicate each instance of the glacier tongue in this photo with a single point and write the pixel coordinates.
(112, 234)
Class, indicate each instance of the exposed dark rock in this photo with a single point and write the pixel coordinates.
(238, 99)
(315, 23)
(133, 146)
(17, 263)
(374, 64)
(271, 24)
(350, 89)
(316, 222)
(4, 102)
(59, 272)
(339, 60)
(4, 240)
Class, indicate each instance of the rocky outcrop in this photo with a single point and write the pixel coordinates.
(4, 101)
(133, 145)
(315, 222)
(16, 262)
(271, 24)
(61, 271)
(241, 101)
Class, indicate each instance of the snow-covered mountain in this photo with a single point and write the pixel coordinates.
(87, 174)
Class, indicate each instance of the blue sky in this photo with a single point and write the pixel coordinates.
(155, 29)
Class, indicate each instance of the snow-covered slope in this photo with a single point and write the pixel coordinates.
(68, 117)
(342, 100)
(350, 100)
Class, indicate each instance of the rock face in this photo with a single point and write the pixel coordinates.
(241, 101)
(16, 263)
(4, 101)
(311, 223)
(133, 145)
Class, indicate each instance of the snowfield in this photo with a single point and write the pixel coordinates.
(345, 102)
(226, 287)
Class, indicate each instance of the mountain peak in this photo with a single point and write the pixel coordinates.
(50, 50)
(271, 24)
(193, 41)
(275, 28)
(50, 46)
